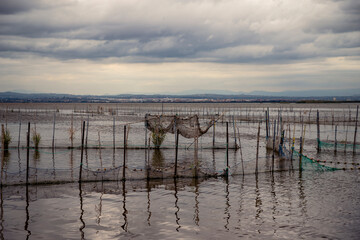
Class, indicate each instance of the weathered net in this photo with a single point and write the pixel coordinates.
(339, 145)
(188, 127)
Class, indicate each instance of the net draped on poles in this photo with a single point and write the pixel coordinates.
(189, 127)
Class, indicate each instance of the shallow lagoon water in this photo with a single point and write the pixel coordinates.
(289, 204)
(286, 205)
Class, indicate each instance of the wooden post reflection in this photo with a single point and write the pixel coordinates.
(98, 209)
(125, 225)
(81, 229)
(196, 213)
(176, 205)
(1, 214)
(27, 213)
(227, 208)
(148, 200)
(258, 202)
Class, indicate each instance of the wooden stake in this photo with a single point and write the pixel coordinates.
(148, 161)
(82, 151)
(53, 138)
(236, 146)
(273, 153)
(267, 125)
(257, 149)
(347, 128)
(356, 122)
(318, 131)
(114, 132)
(19, 130)
(27, 153)
(176, 153)
(87, 131)
(124, 162)
(214, 134)
(335, 150)
(227, 147)
(242, 160)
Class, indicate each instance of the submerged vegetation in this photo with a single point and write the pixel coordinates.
(36, 137)
(6, 137)
(158, 138)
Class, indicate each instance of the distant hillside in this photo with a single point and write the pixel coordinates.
(254, 97)
(300, 93)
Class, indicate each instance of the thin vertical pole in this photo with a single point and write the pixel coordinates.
(2, 138)
(267, 125)
(335, 150)
(27, 153)
(176, 152)
(124, 162)
(53, 138)
(273, 153)
(300, 153)
(214, 134)
(257, 149)
(347, 128)
(87, 131)
(227, 148)
(236, 146)
(148, 161)
(318, 131)
(145, 123)
(19, 130)
(114, 132)
(356, 123)
(82, 150)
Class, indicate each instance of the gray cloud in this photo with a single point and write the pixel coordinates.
(156, 31)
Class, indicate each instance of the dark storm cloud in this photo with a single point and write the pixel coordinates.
(213, 31)
(17, 6)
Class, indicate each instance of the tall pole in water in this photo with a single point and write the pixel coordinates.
(82, 150)
(318, 131)
(27, 153)
(356, 123)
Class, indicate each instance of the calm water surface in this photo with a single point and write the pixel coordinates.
(286, 205)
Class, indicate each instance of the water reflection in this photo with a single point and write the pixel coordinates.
(196, 213)
(227, 203)
(274, 201)
(176, 205)
(98, 208)
(19, 161)
(302, 197)
(27, 213)
(36, 155)
(148, 201)
(125, 212)
(241, 200)
(81, 229)
(258, 204)
(53, 161)
(72, 164)
(157, 160)
(1, 214)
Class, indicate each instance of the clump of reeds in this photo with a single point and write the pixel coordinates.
(36, 139)
(158, 137)
(5, 137)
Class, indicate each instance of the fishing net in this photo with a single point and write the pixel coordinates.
(313, 164)
(188, 127)
(332, 146)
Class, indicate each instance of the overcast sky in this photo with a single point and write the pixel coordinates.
(169, 46)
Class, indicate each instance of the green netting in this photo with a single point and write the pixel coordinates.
(339, 145)
(313, 164)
